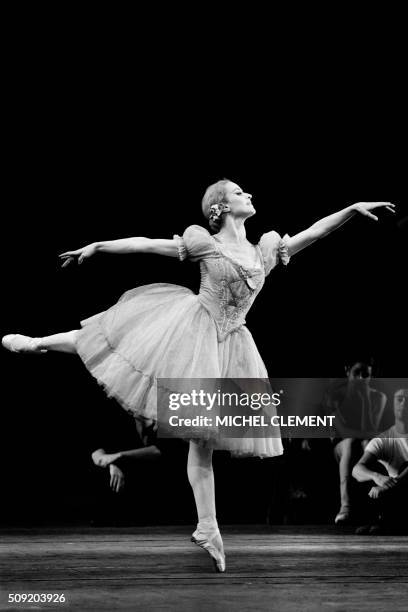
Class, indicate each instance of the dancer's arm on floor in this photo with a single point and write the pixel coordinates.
(325, 226)
(123, 246)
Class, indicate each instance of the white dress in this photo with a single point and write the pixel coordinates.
(167, 331)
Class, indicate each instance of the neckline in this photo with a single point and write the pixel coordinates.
(218, 244)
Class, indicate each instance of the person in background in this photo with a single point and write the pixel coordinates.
(125, 453)
(389, 491)
(359, 410)
(133, 469)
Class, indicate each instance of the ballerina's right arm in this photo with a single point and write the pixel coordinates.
(157, 246)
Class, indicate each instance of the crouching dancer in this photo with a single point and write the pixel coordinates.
(390, 491)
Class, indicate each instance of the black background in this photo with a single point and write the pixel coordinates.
(104, 139)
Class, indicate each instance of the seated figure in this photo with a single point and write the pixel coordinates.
(359, 409)
(389, 491)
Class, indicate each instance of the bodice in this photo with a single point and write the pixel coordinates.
(228, 289)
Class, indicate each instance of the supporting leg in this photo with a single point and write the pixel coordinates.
(201, 477)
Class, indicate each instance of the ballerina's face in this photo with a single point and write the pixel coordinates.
(239, 202)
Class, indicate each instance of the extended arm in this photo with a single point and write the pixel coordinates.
(157, 246)
(325, 226)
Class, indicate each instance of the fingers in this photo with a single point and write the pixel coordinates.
(371, 216)
(116, 483)
(67, 261)
(390, 483)
(69, 256)
(388, 205)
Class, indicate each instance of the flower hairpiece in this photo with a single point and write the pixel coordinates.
(216, 211)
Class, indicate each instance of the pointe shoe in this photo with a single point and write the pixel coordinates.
(16, 343)
(212, 543)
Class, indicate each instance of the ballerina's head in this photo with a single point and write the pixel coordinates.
(226, 197)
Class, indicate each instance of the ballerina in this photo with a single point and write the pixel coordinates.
(167, 331)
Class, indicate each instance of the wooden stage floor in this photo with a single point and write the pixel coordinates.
(157, 568)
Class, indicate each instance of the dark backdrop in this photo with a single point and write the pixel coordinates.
(92, 154)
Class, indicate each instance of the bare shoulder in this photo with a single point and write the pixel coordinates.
(377, 395)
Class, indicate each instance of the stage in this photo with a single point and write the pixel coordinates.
(139, 568)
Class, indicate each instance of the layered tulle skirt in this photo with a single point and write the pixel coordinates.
(163, 331)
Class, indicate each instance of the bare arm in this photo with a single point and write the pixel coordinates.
(325, 226)
(103, 459)
(363, 471)
(378, 410)
(147, 452)
(157, 246)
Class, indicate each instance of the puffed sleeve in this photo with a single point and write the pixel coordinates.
(274, 249)
(195, 244)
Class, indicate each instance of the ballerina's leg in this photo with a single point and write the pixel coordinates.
(64, 342)
(201, 477)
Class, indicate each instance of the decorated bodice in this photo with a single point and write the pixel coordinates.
(228, 289)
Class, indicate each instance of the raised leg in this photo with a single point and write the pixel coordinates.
(64, 343)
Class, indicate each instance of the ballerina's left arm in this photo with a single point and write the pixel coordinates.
(326, 225)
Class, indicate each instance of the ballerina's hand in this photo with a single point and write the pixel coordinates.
(80, 254)
(364, 208)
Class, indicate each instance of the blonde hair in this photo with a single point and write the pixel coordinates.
(214, 195)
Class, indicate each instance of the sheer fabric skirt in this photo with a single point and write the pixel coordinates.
(163, 331)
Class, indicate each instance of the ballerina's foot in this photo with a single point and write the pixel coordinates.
(212, 543)
(17, 343)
